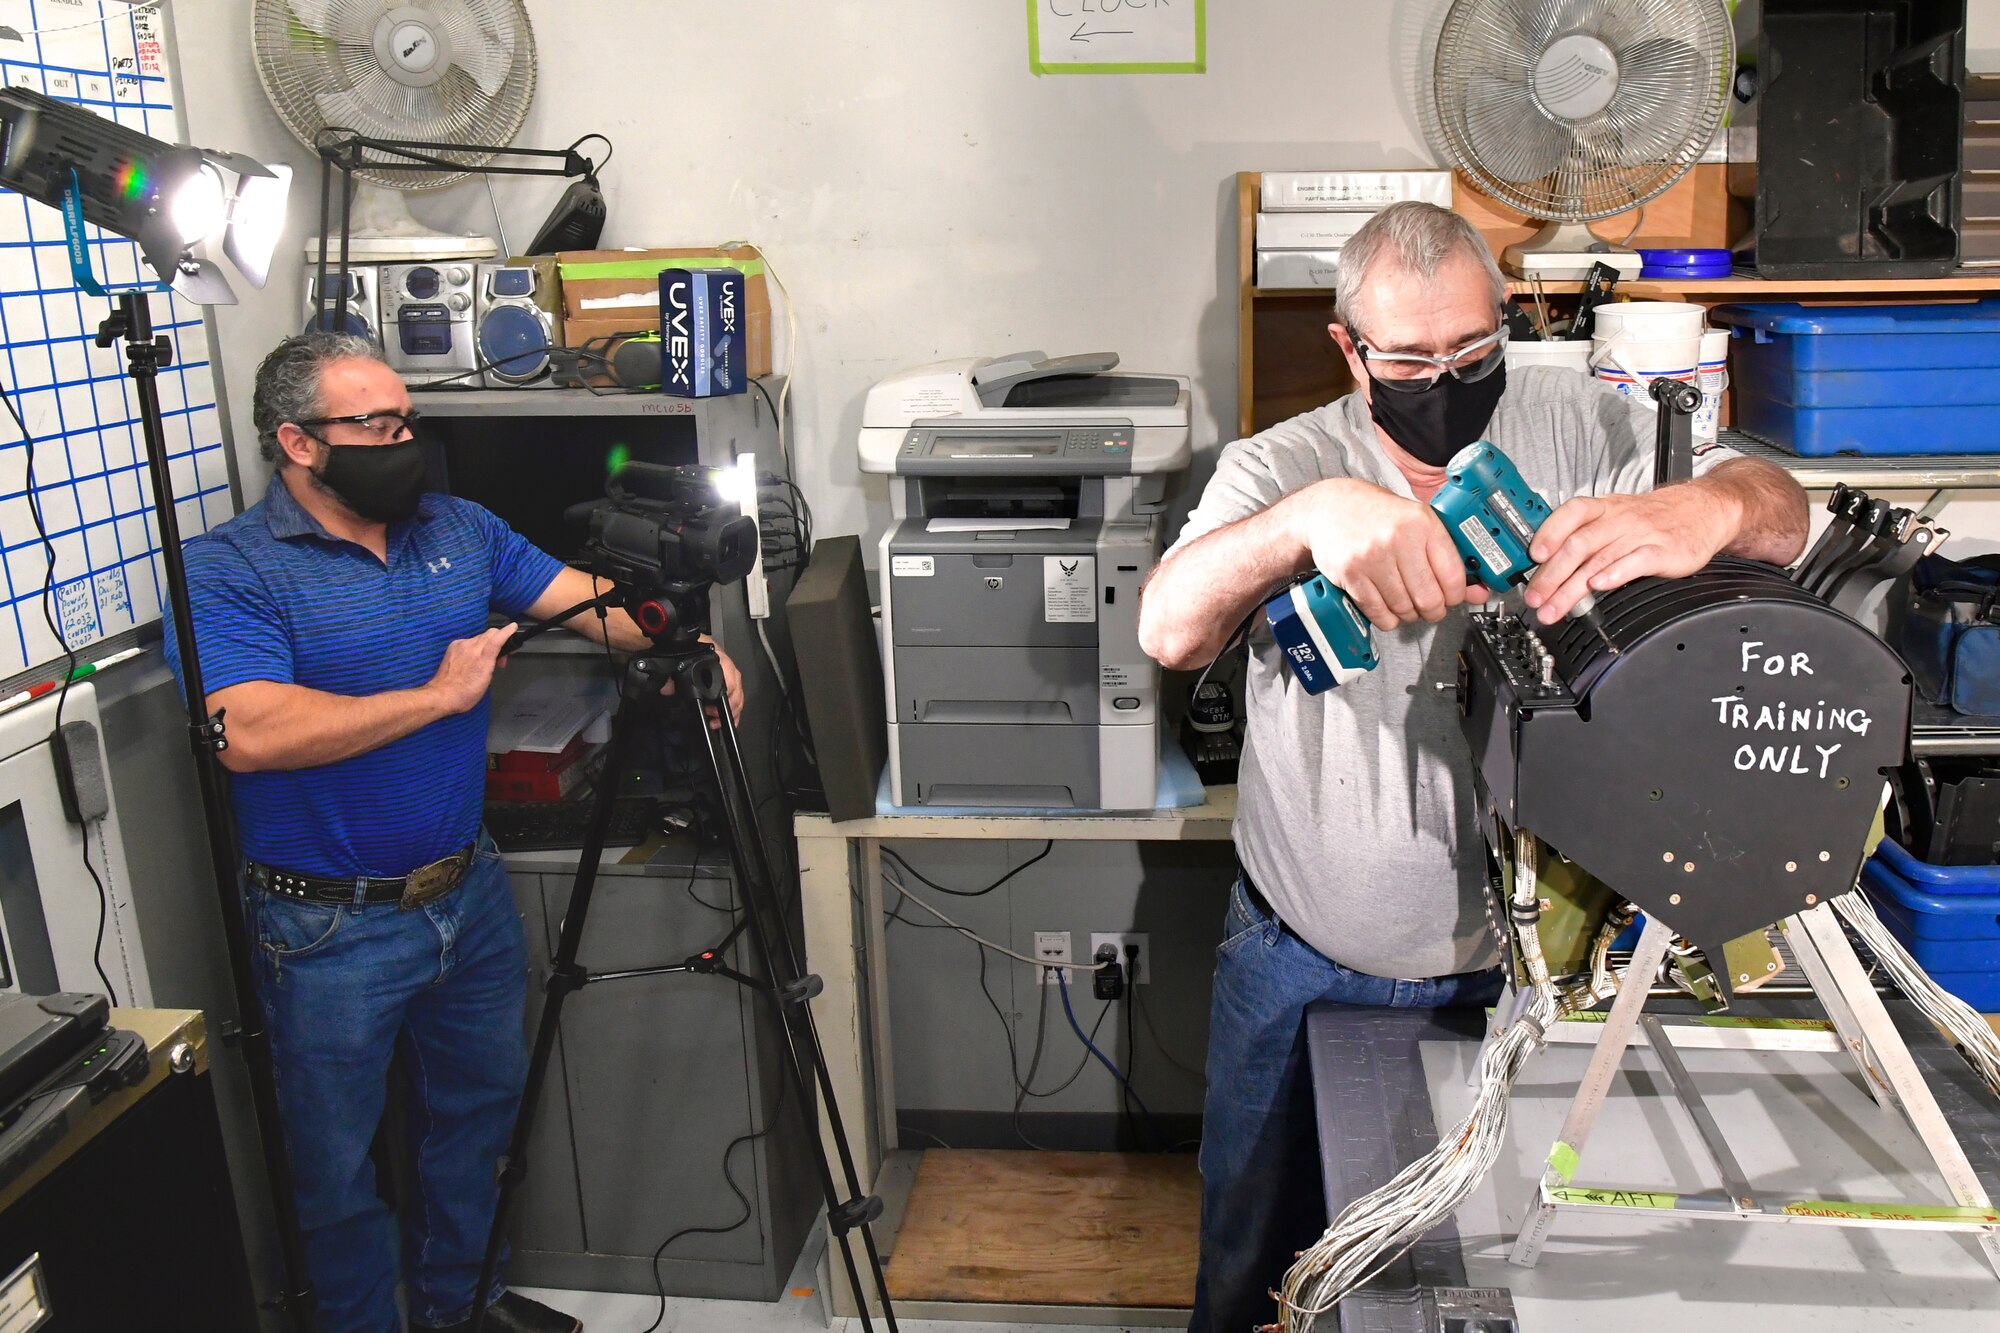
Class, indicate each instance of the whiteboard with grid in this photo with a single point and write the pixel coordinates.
(90, 460)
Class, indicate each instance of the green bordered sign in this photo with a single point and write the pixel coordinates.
(1118, 36)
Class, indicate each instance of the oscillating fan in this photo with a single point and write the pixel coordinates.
(1572, 110)
(447, 71)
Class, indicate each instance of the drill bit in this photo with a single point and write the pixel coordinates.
(1586, 609)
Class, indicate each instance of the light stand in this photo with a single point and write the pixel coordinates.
(679, 656)
(144, 355)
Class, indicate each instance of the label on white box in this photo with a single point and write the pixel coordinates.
(1312, 190)
(928, 401)
(1118, 676)
(1307, 231)
(1069, 589)
(912, 566)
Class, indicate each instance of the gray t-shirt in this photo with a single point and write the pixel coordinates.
(1355, 815)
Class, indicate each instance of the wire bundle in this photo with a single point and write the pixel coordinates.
(1374, 1230)
(1975, 1039)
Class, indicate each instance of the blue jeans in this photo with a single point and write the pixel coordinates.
(344, 988)
(1262, 1196)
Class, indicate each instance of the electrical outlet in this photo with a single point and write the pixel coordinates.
(1119, 941)
(1051, 946)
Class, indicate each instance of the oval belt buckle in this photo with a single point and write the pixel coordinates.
(428, 883)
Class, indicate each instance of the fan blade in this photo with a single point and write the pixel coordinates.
(1505, 131)
(486, 44)
(1542, 21)
(336, 20)
(1660, 100)
(1484, 39)
(368, 104)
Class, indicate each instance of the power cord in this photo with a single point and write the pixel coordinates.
(888, 854)
(1062, 984)
(743, 1201)
(69, 673)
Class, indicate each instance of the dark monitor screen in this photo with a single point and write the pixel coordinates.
(528, 470)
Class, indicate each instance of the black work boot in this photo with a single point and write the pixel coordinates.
(515, 1313)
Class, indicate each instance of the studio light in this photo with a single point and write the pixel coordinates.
(169, 199)
(166, 197)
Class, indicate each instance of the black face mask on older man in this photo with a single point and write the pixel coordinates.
(1435, 424)
(1431, 416)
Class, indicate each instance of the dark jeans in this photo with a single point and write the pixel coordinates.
(1262, 1198)
(344, 988)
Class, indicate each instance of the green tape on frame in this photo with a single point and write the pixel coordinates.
(1199, 65)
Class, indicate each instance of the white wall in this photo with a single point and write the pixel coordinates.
(920, 193)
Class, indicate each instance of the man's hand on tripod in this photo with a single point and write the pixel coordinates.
(466, 673)
(732, 688)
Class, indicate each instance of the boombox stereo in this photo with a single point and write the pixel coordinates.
(358, 314)
(515, 324)
(427, 332)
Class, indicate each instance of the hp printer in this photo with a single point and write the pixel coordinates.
(1027, 493)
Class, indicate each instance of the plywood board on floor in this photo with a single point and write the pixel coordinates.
(1028, 1228)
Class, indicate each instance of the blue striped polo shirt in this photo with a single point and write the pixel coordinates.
(277, 597)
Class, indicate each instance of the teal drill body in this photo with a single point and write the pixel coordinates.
(1492, 515)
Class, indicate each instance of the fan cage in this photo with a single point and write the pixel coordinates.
(1676, 59)
(327, 78)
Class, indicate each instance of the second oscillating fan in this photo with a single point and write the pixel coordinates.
(1573, 110)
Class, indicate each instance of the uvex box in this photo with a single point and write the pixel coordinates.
(608, 292)
(701, 332)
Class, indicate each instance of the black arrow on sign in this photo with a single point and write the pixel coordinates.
(1081, 36)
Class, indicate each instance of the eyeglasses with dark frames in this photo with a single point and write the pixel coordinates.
(382, 426)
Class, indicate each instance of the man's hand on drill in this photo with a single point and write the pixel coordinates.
(1391, 555)
(1595, 543)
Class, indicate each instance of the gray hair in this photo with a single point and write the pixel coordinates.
(288, 382)
(1420, 237)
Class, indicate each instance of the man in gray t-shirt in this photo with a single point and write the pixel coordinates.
(1362, 865)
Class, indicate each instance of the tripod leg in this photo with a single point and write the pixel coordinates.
(700, 680)
(564, 976)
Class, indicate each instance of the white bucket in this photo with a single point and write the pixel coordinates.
(1648, 321)
(1569, 355)
(1711, 378)
(1630, 364)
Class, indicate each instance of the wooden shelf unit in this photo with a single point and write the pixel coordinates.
(1286, 363)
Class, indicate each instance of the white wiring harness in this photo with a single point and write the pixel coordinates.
(1373, 1231)
(1979, 1043)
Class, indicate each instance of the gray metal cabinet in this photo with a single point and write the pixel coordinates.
(652, 1079)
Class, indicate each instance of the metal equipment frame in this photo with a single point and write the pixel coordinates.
(1860, 1025)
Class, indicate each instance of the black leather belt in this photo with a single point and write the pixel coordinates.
(1260, 904)
(423, 885)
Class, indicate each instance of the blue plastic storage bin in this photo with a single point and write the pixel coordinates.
(1890, 379)
(1948, 917)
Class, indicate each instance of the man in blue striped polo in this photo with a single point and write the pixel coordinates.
(342, 625)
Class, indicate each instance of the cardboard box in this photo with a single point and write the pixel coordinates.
(1362, 191)
(1307, 231)
(701, 331)
(1297, 268)
(619, 290)
(580, 332)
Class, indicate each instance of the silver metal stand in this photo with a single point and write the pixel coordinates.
(1861, 1027)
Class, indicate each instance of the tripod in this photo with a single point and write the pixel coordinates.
(145, 355)
(679, 656)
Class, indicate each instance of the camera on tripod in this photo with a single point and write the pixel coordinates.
(665, 535)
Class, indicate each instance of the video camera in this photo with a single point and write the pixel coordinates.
(666, 528)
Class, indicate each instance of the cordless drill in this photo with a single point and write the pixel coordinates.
(1492, 515)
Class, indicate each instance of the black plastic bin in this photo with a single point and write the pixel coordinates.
(1859, 124)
